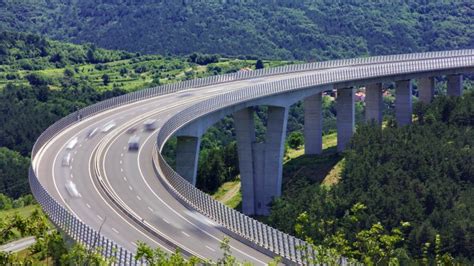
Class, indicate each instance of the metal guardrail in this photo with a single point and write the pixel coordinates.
(261, 234)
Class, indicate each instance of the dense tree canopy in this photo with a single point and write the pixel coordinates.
(421, 174)
(273, 29)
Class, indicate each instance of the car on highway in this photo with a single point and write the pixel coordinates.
(72, 143)
(131, 130)
(66, 161)
(92, 132)
(134, 143)
(72, 189)
(149, 124)
(107, 127)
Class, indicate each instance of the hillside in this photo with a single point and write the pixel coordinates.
(310, 30)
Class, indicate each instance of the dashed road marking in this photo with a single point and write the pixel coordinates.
(121, 162)
(121, 155)
(72, 176)
(70, 167)
(138, 197)
(125, 179)
(100, 218)
(130, 187)
(133, 243)
(184, 233)
(211, 249)
(166, 221)
(75, 152)
(125, 147)
(150, 209)
(88, 206)
(121, 170)
(115, 230)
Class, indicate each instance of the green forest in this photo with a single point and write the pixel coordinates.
(414, 182)
(307, 29)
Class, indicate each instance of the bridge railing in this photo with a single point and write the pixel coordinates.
(80, 232)
(266, 237)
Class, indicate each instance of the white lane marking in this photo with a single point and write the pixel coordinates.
(121, 162)
(100, 218)
(133, 243)
(125, 147)
(130, 187)
(72, 176)
(72, 160)
(149, 208)
(70, 167)
(184, 233)
(121, 155)
(138, 197)
(125, 179)
(211, 249)
(121, 170)
(80, 145)
(166, 221)
(75, 152)
(88, 206)
(115, 230)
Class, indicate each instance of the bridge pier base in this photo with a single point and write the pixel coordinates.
(455, 85)
(403, 102)
(187, 155)
(260, 164)
(345, 117)
(313, 126)
(374, 103)
(426, 88)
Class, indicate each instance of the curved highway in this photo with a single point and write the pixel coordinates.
(117, 191)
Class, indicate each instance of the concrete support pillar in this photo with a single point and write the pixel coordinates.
(260, 164)
(187, 155)
(245, 134)
(374, 103)
(426, 88)
(455, 85)
(313, 124)
(274, 149)
(345, 117)
(403, 102)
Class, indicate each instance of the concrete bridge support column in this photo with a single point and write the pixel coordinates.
(245, 134)
(313, 124)
(403, 102)
(187, 155)
(426, 87)
(260, 164)
(374, 103)
(274, 149)
(345, 117)
(455, 85)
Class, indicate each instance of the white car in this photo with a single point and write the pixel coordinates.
(72, 143)
(134, 143)
(66, 159)
(150, 124)
(92, 132)
(107, 127)
(72, 189)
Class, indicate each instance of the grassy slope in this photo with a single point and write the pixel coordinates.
(23, 212)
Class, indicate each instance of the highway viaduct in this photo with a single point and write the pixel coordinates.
(124, 197)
